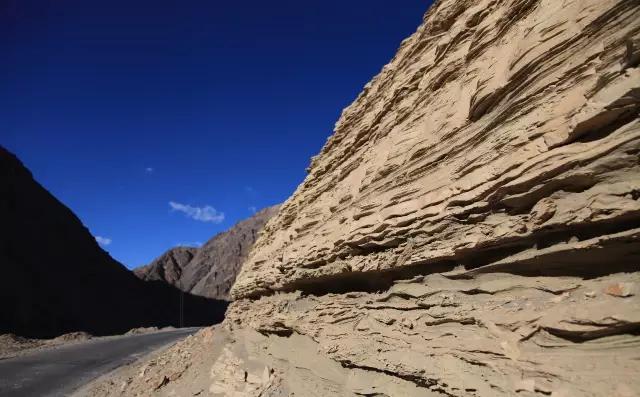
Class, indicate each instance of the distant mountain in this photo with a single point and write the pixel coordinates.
(167, 267)
(209, 271)
(56, 279)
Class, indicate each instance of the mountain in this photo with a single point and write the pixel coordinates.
(168, 267)
(472, 226)
(210, 270)
(56, 279)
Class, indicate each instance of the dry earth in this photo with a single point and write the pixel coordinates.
(12, 345)
(181, 370)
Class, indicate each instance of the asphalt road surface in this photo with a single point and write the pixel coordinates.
(60, 371)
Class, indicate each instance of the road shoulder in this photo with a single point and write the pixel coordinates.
(165, 371)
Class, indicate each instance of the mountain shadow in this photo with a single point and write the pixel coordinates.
(57, 279)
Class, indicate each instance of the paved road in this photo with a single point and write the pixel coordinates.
(60, 371)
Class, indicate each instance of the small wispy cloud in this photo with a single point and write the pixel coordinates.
(196, 244)
(202, 214)
(103, 241)
(253, 209)
(149, 170)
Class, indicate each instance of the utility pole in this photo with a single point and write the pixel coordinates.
(181, 309)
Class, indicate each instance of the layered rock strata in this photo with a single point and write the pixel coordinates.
(501, 128)
(471, 228)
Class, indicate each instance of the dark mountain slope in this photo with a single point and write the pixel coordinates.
(56, 279)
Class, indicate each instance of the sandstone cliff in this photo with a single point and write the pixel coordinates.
(210, 270)
(459, 233)
(56, 279)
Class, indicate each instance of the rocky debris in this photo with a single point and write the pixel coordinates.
(210, 270)
(56, 279)
(491, 335)
(181, 370)
(142, 330)
(12, 345)
(72, 337)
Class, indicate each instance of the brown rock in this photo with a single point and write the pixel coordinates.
(622, 290)
(210, 270)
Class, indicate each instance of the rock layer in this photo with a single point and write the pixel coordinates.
(472, 226)
(210, 270)
(501, 131)
(496, 334)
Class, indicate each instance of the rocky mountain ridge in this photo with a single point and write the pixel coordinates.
(168, 267)
(210, 270)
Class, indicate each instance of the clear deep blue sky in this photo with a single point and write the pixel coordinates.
(120, 107)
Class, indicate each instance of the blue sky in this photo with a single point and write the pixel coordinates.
(165, 122)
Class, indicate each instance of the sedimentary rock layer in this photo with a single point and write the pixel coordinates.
(494, 335)
(501, 132)
(472, 227)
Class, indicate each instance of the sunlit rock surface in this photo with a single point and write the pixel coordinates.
(472, 226)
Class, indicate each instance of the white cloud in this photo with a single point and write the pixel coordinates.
(253, 209)
(149, 170)
(202, 214)
(196, 244)
(103, 241)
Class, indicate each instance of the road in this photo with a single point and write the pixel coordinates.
(60, 371)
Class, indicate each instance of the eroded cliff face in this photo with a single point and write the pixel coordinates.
(501, 134)
(471, 228)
